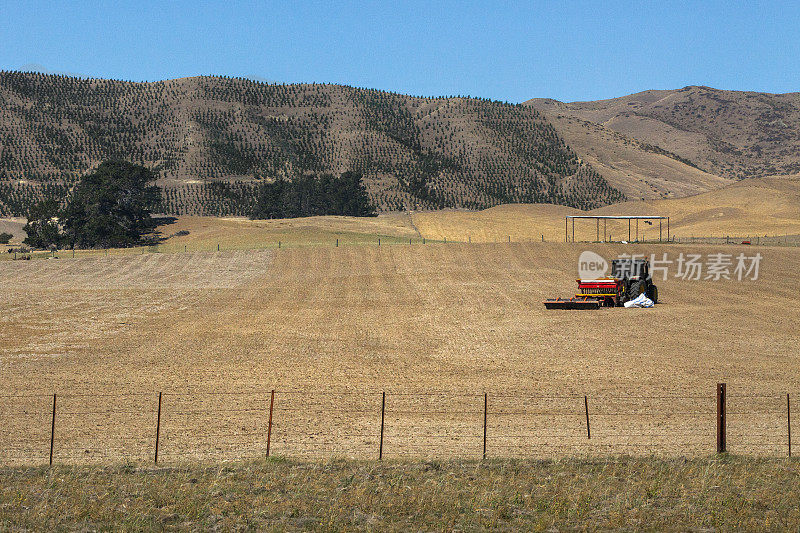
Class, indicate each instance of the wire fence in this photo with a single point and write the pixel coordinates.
(753, 240)
(171, 427)
(14, 253)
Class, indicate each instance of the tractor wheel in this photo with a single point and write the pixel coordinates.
(636, 288)
(653, 294)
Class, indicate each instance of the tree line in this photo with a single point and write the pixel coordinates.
(308, 195)
(112, 206)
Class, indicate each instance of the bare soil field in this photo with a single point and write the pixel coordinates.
(435, 326)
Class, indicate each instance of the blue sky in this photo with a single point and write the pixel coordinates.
(503, 50)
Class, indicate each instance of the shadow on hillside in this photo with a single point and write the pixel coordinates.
(156, 236)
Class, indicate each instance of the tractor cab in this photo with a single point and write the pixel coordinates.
(630, 269)
(635, 277)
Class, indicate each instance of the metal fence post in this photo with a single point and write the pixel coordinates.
(586, 410)
(485, 405)
(383, 412)
(53, 430)
(721, 421)
(269, 424)
(158, 427)
(789, 423)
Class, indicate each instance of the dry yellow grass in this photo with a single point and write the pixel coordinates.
(241, 233)
(767, 206)
(723, 494)
(630, 165)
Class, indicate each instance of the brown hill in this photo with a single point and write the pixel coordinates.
(669, 143)
(211, 138)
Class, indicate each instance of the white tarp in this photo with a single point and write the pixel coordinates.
(640, 301)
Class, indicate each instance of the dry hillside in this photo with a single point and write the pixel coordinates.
(211, 138)
(709, 135)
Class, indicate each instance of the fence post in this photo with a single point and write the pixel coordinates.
(586, 410)
(269, 424)
(721, 422)
(485, 405)
(158, 427)
(789, 423)
(337, 243)
(383, 411)
(53, 430)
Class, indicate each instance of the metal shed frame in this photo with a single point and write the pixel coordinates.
(605, 219)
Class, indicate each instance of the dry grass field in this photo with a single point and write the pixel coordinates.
(726, 494)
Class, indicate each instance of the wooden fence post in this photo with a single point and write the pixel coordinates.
(485, 405)
(269, 424)
(53, 430)
(721, 422)
(383, 411)
(789, 423)
(586, 410)
(158, 427)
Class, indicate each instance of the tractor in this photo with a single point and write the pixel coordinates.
(629, 279)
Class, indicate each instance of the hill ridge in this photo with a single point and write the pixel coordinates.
(212, 138)
(730, 134)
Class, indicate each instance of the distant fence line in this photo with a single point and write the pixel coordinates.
(158, 427)
(770, 240)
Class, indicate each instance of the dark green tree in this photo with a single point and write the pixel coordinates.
(43, 228)
(307, 195)
(111, 206)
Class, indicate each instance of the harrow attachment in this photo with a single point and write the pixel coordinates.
(594, 294)
(572, 303)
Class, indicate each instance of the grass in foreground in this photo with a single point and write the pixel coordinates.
(655, 494)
